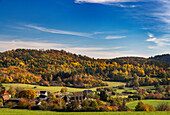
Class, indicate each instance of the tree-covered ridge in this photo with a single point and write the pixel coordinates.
(54, 67)
(163, 58)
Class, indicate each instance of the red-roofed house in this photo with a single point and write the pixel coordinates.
(5, 95)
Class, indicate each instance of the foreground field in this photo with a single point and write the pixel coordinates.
(27, 112)
(55, 88)
(154, 103)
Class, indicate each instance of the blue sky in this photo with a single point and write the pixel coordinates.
(96, 28)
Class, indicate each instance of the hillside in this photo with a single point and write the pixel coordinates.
(61, 68)
(163, 58)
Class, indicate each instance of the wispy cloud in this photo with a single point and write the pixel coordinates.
(6, 36)
(115, 37)
(14, 44)
(160, 42)
(110, 2)
(150, 35)
(163, 12)
(105, 1)
(94, 48)
(56, 31)
(96, 52)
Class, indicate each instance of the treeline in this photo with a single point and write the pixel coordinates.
(54, 67)
(163, 58)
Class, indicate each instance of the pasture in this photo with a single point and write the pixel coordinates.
(56, 88)
(5, 111)
(154, 103)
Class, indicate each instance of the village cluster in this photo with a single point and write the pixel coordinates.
(103, 99)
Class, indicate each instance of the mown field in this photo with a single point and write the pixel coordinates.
(154, 103)
(30, 112)
(55, 88)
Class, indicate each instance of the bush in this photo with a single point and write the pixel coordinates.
(121, 87)
(1, 102)
(85, 103)
(113, 93)
(90, 109)
(163, 107)
(64, 89)
(10, 105)
(27, 93)
(44, 105)
(144, 107)
(73, 106)
(94, 104)
(23, 103)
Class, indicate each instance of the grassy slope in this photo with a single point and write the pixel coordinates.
(155, 103)
(55, 88)
(27, 112)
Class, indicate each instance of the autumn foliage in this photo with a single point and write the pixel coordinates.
(27, 93)
(61, 68)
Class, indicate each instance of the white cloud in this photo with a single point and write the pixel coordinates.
(118, 3)
(104, 1)
(113, 54)
(6, 36)
(114, 37)
(8, 45)
(93, 48)
(163, 11)
(151, 40)
(55, 31)
(160, 42)
(150, 35)
(96, 52)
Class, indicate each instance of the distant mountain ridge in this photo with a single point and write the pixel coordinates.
(162, 58)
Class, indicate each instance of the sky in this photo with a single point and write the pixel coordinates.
(95, 28)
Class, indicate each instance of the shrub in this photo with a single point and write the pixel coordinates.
(10, 105)
(63, 90)
(121, 87)
(139, 106)
(27, 93)
(163, 107)
(113, 93)
(23, 103)
(85, 103)
(73, 106)
(44, 105)
(144, 107)
(1, 102)
(109, 108)
(94, 104)
(30, 104)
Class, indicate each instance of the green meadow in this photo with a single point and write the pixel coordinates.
(5, 111)
(154, 103)
(57, 88)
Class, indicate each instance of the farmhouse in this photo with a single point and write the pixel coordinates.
(5, 95)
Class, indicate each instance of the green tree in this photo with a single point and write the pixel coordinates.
(94, 104)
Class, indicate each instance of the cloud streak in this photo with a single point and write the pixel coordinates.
(118, 3)
(105, 1)
(96, 52)
(160, 42)
(115, 37)
(163, 13)
(56, 31)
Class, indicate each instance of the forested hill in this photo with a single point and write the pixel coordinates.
(163, 58)
(54, 67)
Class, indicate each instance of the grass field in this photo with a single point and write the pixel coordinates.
(55, 88)
(113, 84)
(28, 112)
(155, 103)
